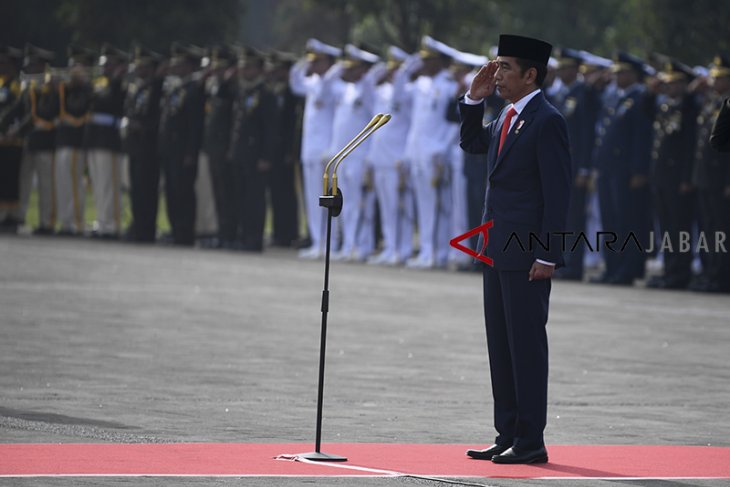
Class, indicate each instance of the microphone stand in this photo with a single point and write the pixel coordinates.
(332, 200)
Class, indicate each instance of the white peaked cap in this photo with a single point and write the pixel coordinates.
(430, 44)
(319, 47)
(595, 60)
(354, 52)
(469, 59)
(395, 52)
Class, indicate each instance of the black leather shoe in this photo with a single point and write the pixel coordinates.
(488, 453)
(513, 455)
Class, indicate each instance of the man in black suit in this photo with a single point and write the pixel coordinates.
(528, 192)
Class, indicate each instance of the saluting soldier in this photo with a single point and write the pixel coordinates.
(387, 157)
(355, 97)
(75, 95)
(180, 138)
(464, 69)
(252, 147)
(311, 77)
(11, 141)
(221, 87)
(430, 139)
(575, 100)
(40, 110)
(712, 178)
(102, 141)
(675, 138)
(140, 126)
(288, 145)
(623, 157)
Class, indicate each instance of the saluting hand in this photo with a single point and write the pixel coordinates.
(483, 83)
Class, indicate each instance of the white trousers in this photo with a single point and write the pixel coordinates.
(312, 171)
(358, 211)
(459, 212)
(206, 220)
(70, 191)
(396, 213)
(433, 207)
(106, 181)
(40, 163)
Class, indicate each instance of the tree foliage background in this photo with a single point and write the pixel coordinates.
(693, 31)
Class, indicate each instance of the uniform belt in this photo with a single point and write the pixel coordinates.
(40, 124)
(105, 119)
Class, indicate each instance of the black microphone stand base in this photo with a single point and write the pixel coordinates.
(322, 457)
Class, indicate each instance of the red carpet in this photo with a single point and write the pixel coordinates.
(370, 459)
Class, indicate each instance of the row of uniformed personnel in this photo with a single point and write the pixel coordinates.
(225, 122)
(639, 139)
(637, 136)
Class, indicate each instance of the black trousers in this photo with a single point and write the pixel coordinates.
(224, 187)
(675, 213)
(180, 197)
(10, 160)
(252, 205)
(284, 203)
(516, 313)
(626, 213)
(144, 180)
(715, 217)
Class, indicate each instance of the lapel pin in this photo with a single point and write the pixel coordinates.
(519, 126)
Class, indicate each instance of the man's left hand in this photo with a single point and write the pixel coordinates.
(541, 271)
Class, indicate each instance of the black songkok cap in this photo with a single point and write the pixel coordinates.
(524, 48)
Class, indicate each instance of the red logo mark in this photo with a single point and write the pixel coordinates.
(484, 230)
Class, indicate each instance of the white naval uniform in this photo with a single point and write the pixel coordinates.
(70, 163)
(105, 172)
(391, 168)
(319, 111)
(430, 140)
(355, 104)
(42, 164)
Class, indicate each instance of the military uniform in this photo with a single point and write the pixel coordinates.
(252, 149)
(11, 142)
(712, 178)
(220, 91)
(675, 137)
(354, 109)
(284, 203)
(390, 166)
(576, 101)
(623, 154)
(428, 146)
(142, 113)
(180, 138)
(40, 108)
(103, 144)
(464, 69)
(319, 111)
(75, 101)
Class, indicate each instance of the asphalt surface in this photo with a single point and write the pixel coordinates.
(113, 342)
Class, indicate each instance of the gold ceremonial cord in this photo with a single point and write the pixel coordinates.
(370, 124)
(381, 121)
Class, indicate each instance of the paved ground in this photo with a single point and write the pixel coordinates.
(110, 342)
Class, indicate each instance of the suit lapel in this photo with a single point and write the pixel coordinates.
(523, 120)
